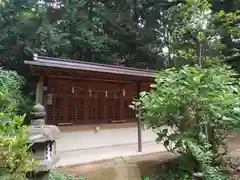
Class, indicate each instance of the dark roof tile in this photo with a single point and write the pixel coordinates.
(86, 66)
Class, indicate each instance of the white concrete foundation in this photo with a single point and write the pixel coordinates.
(87, 146)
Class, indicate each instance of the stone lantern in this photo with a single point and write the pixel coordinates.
(43, 138)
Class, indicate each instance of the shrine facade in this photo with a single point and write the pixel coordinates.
(77, 93)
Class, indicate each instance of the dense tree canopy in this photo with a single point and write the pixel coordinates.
(232, 44)
(130, 32)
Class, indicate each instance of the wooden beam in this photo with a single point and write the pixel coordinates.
(90, 79)
(39, 90)
(64, 73)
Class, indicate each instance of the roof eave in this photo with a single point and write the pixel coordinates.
(96, 69)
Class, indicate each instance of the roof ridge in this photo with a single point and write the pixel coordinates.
(39, 58)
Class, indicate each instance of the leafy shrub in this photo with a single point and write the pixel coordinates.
(194, 108)
(63, 176)
(10, 94)
(11, 98)
(25, 106)
(15, 157)
(199, 106)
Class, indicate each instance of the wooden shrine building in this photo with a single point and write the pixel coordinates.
(76, 93)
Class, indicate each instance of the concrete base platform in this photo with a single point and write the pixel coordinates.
(79, 157)
(79, 147)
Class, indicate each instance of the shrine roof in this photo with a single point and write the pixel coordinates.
(43, 61)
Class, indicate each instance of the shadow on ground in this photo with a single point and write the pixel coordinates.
(125, 168)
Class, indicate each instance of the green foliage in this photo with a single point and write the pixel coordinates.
(177, 169)
(132, 33)
(25, 107)
(232, 44)
(11, 97)
(199, 106)
(113, 32)
(209, 91)
(194, 108)
(63, 176)
(10, 94)
(192, 30)
(182, 168)
(145, 178)
(15, 157)
(204, 157)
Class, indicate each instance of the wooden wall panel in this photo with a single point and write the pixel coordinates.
(145, 87)
(90, 101)
(59, 109)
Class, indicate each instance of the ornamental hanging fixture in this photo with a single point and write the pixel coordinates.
(35, 56)
(124, 93)
(72, 89)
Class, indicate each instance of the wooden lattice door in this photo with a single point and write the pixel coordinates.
(113, 102)
(76, 110)
(96, 106)
(59, 110)
(86, 102)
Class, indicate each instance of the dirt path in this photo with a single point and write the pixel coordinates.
(125, 168)
(133, 168)
(234, 145)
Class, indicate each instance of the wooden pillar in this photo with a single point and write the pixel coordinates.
(39, 90)
(45, 98)
(139, 123)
